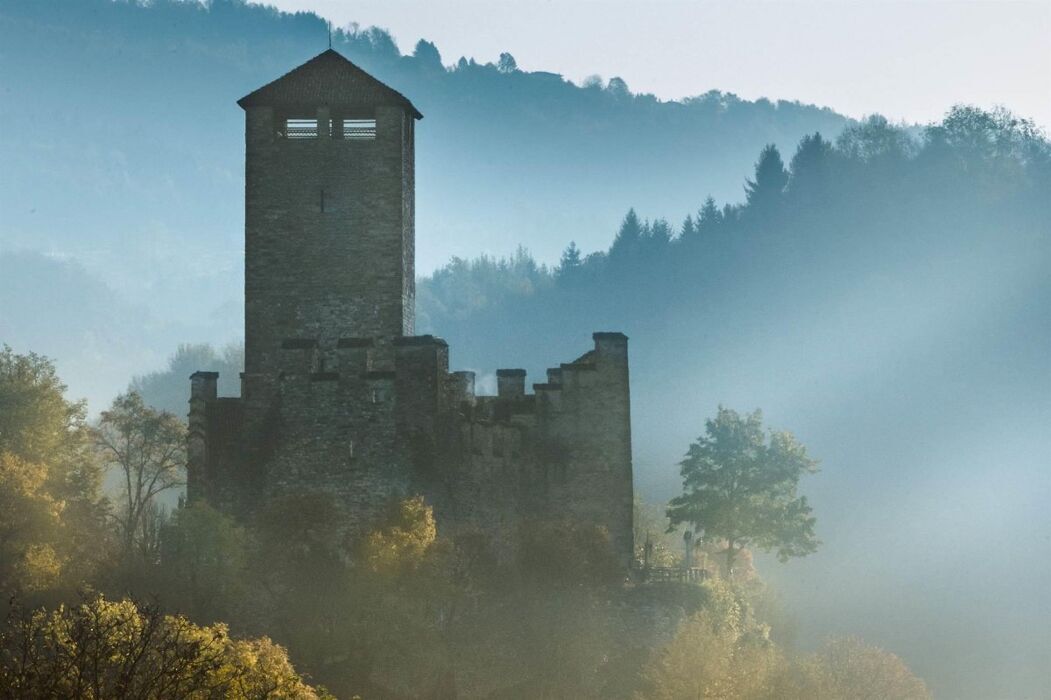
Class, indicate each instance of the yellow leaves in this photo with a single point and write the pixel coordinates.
(264, 671)
(719, 652)
(107, 648)
(403, 541)
(39, 568)
(849, 668)
(18, 475)
(710, 658)
(30, 526)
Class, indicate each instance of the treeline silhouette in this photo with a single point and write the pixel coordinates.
(873, 198)
(137, 175)
(884, 291)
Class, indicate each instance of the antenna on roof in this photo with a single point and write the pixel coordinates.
(329, 34)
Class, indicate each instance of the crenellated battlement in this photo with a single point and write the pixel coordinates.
(608, 355)
(338, 396)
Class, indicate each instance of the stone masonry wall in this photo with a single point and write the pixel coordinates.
(339, 397)
(486, 464)
(328, 235)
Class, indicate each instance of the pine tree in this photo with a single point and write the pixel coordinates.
(629, 237)
(688, 229)
(709, 216)
(809, 166)
(766, 190)
(570, 262)
(660, 234)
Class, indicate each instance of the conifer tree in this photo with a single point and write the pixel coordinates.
(688, 230)
(709, 217)
(570, 262)
(766, 190)
(810, 165)
(629, 237)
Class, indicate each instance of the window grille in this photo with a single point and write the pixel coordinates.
(301, 128)
(359, 129)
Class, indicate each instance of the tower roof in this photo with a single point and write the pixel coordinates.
(328, 79)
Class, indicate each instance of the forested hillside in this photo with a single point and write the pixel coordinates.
(884, 295)
(883, 291)
(123, 156)
(887, 297)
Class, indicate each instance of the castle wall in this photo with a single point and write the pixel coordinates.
(336, 435)
(587, 422)
(561, 454)
(337, 395)
(486, 464)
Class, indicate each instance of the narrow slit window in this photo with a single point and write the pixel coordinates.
(301, 128)
(359, 129)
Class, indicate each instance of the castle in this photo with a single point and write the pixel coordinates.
(338, 395)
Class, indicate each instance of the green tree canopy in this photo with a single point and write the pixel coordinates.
(39, 425)
(739, 487)
(51, 508)
(203, 562)
(30, 526)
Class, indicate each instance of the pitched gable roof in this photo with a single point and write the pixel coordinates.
(328, 79)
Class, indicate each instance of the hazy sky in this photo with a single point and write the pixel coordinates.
(907, 60)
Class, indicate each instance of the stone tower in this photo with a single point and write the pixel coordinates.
(329, 206)
(339, 399)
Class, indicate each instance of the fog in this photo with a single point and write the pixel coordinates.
(889, 305)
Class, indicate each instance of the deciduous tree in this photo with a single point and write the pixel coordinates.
(52, 511)
(203, 562)
(719, 652)
(147, 448)
(30, 528)
(849, 668)
(739, 487)
(104, 649)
